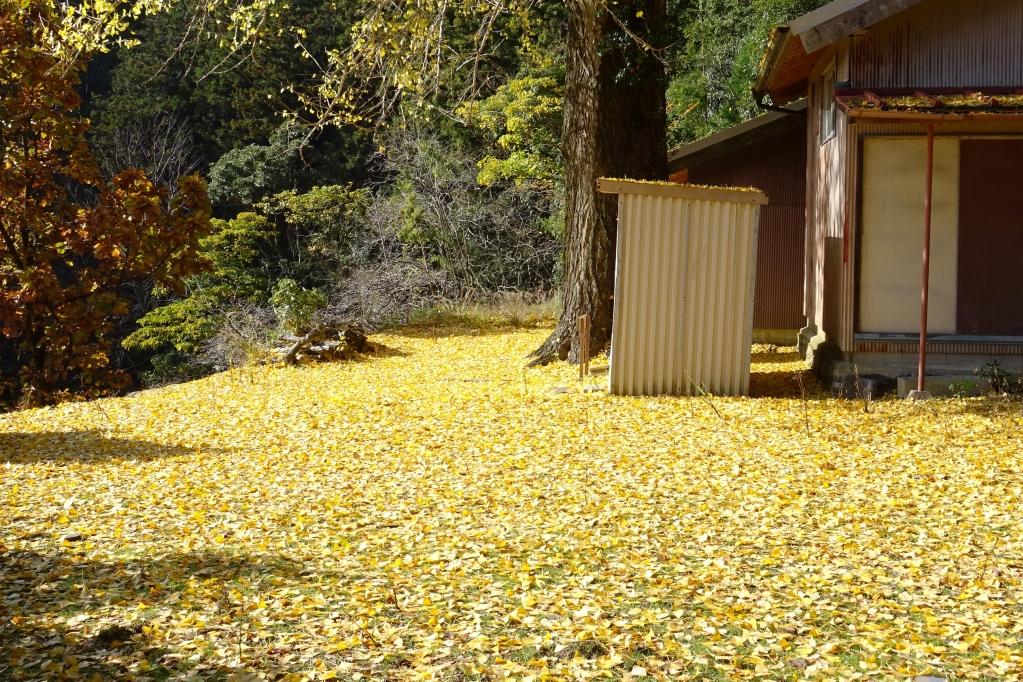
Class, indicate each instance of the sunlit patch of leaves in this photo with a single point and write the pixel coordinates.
(436, 513)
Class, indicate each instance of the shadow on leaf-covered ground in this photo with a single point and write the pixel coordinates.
(79, 446)
(66, 616)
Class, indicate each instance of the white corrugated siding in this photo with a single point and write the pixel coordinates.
(684, 292)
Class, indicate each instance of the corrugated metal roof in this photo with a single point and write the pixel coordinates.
(736, 137)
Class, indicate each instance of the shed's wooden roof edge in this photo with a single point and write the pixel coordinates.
(740, 195)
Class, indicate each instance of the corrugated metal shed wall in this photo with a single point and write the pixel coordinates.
(776, 165)
(684, 289)
(943, 43)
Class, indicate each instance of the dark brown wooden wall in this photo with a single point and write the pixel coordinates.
(776, 165)
(990, 276)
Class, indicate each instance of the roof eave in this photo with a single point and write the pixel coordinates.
(931, 117)
(843, 18)
(776, 48)
(811, 34)
(736, 137)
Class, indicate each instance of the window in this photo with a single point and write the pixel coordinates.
(892, 215)
(827, 107)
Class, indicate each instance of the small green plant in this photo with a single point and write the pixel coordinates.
(1001, 380)
(962, 389)
(295, 306)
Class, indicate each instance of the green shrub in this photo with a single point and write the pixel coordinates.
(295, 306)
(242, 253)
(181, 326)
(322, 227)
(245, 175)
(237, 252)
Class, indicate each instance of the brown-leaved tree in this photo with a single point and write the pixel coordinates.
(70, 243)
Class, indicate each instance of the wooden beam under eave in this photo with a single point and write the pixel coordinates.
(900, 116)
(860, 15)
(925, 117)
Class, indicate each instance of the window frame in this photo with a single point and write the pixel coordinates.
(827, 122)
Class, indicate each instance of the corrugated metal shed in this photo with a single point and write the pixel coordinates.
(684, 288)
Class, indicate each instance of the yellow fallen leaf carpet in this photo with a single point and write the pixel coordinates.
(438, 512)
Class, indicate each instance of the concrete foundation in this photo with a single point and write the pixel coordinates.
(943, 386)
(855, 386)
(821, 355)
(938, 364)
(803, 338)
(919, 395)
(948, 374)
(949, 378)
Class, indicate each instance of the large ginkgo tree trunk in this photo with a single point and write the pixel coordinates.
(615, 126)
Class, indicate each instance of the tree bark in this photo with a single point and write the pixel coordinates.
(615, 126)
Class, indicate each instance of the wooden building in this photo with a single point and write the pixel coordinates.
(769, 153)
(914, 144)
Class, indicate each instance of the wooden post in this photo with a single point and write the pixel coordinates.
(586, 353)
(584, 346)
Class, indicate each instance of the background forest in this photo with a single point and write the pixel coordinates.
(458, 198)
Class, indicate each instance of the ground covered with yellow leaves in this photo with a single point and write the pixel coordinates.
(438, 512)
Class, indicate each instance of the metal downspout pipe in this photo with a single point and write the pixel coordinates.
(925, 284)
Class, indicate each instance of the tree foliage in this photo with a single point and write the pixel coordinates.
(523, 120)
(321, 229)
(71, 243)
(232, 99)
(246, 175)
(485, 238)
(716, 61)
